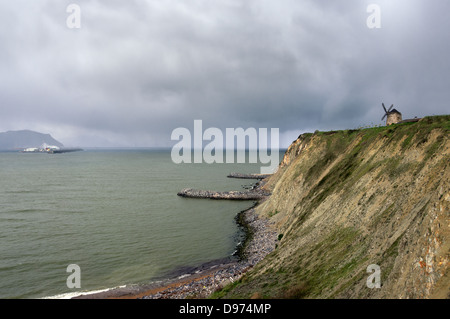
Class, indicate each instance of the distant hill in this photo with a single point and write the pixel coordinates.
(25, 138)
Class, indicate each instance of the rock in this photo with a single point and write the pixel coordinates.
(253, 194)
(248, 176)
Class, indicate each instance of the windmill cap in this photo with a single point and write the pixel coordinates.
(394, 111)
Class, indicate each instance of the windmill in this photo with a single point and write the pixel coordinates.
(393, 116)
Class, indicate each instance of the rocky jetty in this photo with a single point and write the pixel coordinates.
(253, 194)
(248, 176)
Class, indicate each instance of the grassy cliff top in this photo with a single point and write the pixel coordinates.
(344, 200)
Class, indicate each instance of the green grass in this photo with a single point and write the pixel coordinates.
(221, 293)
(349, 170)
(331, 260)
(307, 273)
(338, 261)
(407, 142)
(433, 148)
(383, 217)
(273, 213)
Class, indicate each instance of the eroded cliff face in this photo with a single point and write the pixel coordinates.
(344, 200)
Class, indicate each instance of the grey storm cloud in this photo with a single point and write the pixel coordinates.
(136, 70)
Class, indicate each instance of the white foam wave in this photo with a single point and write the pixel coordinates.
(70, 295)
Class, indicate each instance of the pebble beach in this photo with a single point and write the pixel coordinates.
(203, 281)
(262, 241)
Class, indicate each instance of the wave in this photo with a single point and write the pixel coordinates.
(70, 295)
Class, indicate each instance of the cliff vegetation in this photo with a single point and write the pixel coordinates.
(344, 200)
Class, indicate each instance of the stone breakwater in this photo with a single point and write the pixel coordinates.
(254, 194)
(248, 176)
(263, 240)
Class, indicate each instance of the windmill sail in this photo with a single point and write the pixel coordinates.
(385, 112)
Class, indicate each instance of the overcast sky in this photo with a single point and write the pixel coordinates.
(136, 70)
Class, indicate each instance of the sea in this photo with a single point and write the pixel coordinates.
(115, 214)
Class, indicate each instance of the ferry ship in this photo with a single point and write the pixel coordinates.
(51, 149)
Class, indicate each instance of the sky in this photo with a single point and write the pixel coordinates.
(133, 71)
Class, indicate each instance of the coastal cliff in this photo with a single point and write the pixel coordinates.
(343, 200)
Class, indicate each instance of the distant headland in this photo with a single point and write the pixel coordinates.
(31, 142)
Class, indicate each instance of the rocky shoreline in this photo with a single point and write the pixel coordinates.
(262, 241)
(202, 281)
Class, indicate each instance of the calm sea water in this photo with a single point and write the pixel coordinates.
(114, 213)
